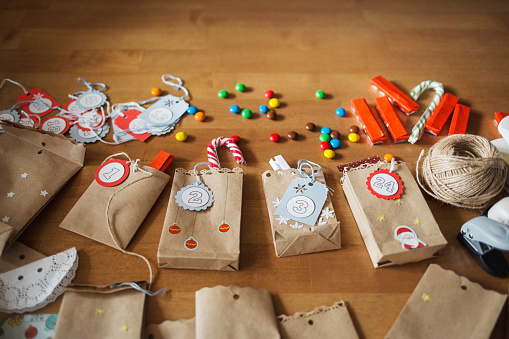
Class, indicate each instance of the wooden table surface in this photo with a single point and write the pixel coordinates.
(293, 48)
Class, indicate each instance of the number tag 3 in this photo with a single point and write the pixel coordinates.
(195, 197)
(303, 201)
(385, 184)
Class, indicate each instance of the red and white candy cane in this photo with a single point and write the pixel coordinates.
(222, 141)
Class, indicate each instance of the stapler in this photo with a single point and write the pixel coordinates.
(486, 235)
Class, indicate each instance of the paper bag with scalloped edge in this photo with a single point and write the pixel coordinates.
(395, 222)
(206, 239)
(291, 237)
(34, 166)
(447, 305)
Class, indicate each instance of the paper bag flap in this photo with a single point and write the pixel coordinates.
(181, 329)
(102, 289)
(18, 255)
(308, 243)
(5, 234)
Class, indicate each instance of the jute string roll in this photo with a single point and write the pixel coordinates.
(462, 170)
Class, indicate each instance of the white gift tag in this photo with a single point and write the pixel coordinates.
(196, 196)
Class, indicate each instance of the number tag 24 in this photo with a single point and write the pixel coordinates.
(385, 184)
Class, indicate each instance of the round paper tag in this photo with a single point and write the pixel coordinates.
(195, 197)
(385, 184)
(112, 173)
(58, 125)
(91, 99)
(161, 115)
(300, 206)
(92, 119)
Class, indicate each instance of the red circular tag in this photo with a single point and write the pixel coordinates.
(385, 184)
(112, 173)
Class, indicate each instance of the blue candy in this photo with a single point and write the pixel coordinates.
(335, 143)
(340, 112)
(325, 130)
(234, 109)
(192, 110)
(264, 109)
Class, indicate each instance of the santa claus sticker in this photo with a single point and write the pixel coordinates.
(385, 184)
(408, 237)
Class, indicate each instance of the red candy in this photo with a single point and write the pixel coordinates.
(235, 138)
(274, 137)
(269, 94)
(324, 145)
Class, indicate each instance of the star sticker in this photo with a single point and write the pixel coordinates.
(417, 221)
(10, 194)
(44, 193)
(124, 328)
(381, 218)
(327, 213)
(426, 297)
(5, 219)
(24, 175)
(283, 220)
(300, 188)
(296, 225)
(398, 201)
(99, 311)
(276, 202)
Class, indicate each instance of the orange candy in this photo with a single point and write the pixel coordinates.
(199, 116)
(156, 91)
(388, 157)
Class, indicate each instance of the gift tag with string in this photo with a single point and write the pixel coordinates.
(128, 121)
(92, 98)
(56, 124)
(196, 196)
(37, 102)
(88, 136)
(9, 115)
(304, 198)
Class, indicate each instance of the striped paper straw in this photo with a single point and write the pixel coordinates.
(418, 129)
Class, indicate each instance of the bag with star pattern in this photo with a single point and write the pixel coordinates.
(34, 166)
(293, 235)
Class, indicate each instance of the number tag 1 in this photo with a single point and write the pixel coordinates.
(195, 197)
(303, 201)
(385, 184)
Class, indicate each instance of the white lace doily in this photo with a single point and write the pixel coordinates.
(33, 286)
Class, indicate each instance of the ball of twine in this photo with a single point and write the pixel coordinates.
(462, 170)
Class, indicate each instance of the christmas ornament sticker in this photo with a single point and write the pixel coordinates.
(224, 227)
(196, 196)
(112, 173)
(385, 184)
(174, 229)
(304, 198)
(191, 244)
(408, 237)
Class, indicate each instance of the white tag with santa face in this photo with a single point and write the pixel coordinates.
(304, 198)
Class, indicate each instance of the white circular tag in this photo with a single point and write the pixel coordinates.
(195, 197)
(300, 206)
(37, 107)
(137, 126)
(384, 184)
(161, 115)
(56, 125)
(112, 173)
(90, 100)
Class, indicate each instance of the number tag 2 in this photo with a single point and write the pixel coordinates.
(303, 201)
(385, 184)
(195, 197)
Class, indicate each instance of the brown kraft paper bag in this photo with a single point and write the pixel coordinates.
(122, 207)
(395, 231)
(225, 312)
(180, 329)
(34, 166)
(207, 239)
(290, 240)
(322, 322)
(446, 305)
(101, 312)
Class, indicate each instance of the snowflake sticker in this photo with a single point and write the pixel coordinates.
(282, 220)
(327, 213)
(276, 202)
(296, 225)
(321, 222)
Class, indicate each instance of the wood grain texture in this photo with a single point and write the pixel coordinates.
(294, 48)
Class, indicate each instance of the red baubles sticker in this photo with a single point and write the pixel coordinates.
(224, 227)
(112, 173)
(385, 184)
(191, 244)
(174, 229)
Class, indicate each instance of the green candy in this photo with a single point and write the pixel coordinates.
(320, 94)
(222, 94)
(246, 113)
(240, 87)
(325, 137)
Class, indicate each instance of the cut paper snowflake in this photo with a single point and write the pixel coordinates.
(398, 201)
(300, 188)
(10, 194)
(321, 222)
(417, 221)
(276, 202)
(426, 297)
(296, 225)
(283, 220)
(24, 175)
(99, 311)
(44, 193)
(381, 218)
(5, 219)
(327, 213)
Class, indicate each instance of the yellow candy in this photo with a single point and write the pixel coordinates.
(329, 154)
(181, 136)
(388, 157)
(274, 103)
(353, 137)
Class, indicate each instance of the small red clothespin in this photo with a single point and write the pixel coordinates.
(162, 161)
